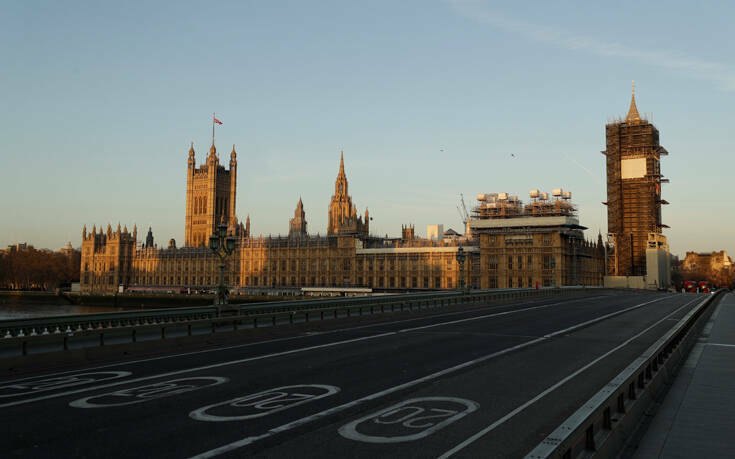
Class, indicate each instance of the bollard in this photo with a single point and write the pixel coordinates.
(25, 348)
(188, 329)
(163, 332)
(134, 335)
(214, 328)
(274, 320)
(255, 322)
(66, 343)
(321, 315)
(234, 324)
(102, 339)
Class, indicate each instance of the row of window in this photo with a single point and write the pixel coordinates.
(545, 240)
(517, 262)
(303, 281)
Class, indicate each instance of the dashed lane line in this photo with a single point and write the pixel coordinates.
(555, 386)
(322, 414)
(276, 340)
(293, 351)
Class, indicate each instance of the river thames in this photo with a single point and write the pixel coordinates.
(26, 310)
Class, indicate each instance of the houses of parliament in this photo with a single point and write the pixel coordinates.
(503, 251)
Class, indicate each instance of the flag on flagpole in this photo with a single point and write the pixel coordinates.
(217, 121)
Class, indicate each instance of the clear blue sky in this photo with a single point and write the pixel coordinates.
(101, 99)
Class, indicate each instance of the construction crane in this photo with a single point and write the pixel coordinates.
(463, 214)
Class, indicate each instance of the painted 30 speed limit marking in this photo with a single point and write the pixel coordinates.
(148, 392)
(34, 386)
(409, 420)
(263, 403)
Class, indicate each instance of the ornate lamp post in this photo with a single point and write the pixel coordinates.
(461, 257)
(222, 246)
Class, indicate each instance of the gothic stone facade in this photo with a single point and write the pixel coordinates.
(347, 257)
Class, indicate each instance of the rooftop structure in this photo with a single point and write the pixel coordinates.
(502, 205)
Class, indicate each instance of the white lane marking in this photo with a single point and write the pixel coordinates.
(555, 386)
(204, 367)
(470, 319)
(282, 353)
(149, 392)
(290, 338)
(45, 384)
(305, 420)
(264, 403)
(415, 418)
(720, 344)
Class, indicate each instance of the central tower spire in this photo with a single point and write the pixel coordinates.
(633, 116)
(340, 186)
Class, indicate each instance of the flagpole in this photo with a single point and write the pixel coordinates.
(213, 116)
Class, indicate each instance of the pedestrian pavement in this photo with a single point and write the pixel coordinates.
(697, 416)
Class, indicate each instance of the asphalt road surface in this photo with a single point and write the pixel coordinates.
(492, 381)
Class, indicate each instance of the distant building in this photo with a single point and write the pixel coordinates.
(709, 262)
(297, 225)
(451, 236)
(347, 257)
(67, 250)
(434, 232)
(18, 247)
(538, 244)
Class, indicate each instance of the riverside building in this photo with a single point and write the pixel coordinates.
(346, 257)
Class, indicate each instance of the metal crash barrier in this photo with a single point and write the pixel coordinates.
(48, 334)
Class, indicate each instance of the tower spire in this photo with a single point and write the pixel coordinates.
(342, 162)
(633, 115)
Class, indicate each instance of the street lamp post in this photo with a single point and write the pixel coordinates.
(461, 257)
(222, 246)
